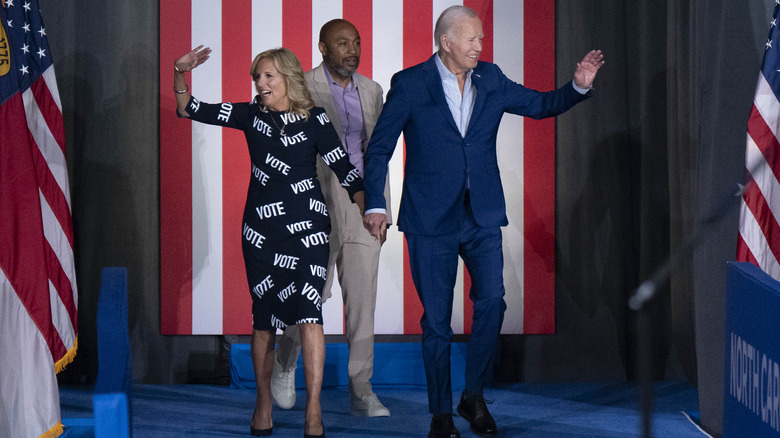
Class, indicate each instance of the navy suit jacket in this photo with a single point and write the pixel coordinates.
(439, 161)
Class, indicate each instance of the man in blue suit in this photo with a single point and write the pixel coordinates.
(449, 109)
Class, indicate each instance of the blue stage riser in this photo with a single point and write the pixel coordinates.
(751, 402)
(394, 364)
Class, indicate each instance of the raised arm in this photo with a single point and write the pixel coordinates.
(189, 61)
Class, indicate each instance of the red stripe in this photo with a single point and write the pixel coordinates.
(418, 34)
(296, 29)
(743, 252)
(22, 253)
(236, 81)
(765, 140)
(51, 113)
(175, 178)
(758, 205)
(539, 172)
(359, 13)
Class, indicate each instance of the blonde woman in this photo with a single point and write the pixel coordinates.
(285, 224)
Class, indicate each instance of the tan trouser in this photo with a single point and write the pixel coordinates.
(357, 266)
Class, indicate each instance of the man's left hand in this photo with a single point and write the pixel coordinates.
(587, 68)
(376, 224)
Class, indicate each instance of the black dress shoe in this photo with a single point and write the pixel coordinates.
(443, 427)
(473, 409)
(261, 432)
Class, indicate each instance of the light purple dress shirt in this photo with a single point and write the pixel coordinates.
(350, 114)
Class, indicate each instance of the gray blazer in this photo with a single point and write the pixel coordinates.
(347, 226)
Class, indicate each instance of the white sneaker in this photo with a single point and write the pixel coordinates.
(369, 406)
(283, 386)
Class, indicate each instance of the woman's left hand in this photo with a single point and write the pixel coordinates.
(192, 59)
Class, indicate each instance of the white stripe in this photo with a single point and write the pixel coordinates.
(266, 28)
(767, 104)
(60, 318)
(756, 242)
(51, 82)
(508, 54)
(207, 176)
(29, 396)
(387, 58)
(322, 11)
(333, 310)
(47, 144)
(438, 6)
(456, 321)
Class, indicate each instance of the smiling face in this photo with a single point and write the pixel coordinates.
(271, 85)
(340, 50)
(460, 47)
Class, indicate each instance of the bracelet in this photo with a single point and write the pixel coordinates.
(177, 69)
(182, 91)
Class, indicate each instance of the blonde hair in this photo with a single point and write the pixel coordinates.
(287, 65)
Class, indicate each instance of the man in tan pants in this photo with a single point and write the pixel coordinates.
(353, 103)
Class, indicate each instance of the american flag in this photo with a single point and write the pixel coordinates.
(204, 170)
(37, 273)
(759, 231)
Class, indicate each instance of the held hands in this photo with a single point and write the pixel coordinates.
(376, 224)
(194, 58)
(359, 198)
(587, 68)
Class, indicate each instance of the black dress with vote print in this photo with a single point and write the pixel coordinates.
(285, 225)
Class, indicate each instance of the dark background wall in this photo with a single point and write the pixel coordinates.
(639, 169)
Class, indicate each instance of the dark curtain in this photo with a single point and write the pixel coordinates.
(648, 167)
(651, 162)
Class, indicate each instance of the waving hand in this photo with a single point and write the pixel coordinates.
(587, 68)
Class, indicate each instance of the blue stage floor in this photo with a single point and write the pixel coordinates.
(569, 410)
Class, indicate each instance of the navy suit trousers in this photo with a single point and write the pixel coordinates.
(434, 264)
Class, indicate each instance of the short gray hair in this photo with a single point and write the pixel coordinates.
(448, 18)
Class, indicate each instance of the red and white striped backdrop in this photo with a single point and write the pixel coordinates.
(204, 170)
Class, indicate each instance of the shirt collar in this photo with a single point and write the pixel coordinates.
(444, 72)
